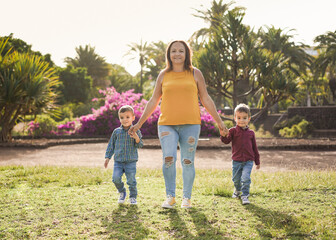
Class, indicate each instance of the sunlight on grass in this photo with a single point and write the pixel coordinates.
(81, 203)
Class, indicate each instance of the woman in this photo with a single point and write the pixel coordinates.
(179, 86)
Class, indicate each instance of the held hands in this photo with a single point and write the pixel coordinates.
(132, 132)
(134, 135)
(133, 129)
(223, 129)
(258, 166)
(224, 132)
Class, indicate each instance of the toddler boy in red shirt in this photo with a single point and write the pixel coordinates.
(244, 152)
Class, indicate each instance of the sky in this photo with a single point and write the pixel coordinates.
(58, 27)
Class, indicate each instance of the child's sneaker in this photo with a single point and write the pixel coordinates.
(186, 203)
(133, 201)
(169, 203)
(122, 197)
(236, 194)
(245, 200)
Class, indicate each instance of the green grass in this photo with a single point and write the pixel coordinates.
(80, 203)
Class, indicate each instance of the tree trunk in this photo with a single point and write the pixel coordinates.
(332, 86)
(308, 100)
(5, 134)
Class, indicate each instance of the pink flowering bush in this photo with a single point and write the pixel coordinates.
(102, 121)
(208, 125)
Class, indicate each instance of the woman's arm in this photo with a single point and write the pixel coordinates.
(151, 104)
(207, 101)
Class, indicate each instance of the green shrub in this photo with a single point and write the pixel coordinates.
(43, 125)
(63, 112)
(289, 122)
(302, 129)
(229, 124)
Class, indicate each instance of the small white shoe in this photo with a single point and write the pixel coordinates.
(133, 201)
(236, 194)
(245, 200)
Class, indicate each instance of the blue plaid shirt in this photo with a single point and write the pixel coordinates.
(123, 146)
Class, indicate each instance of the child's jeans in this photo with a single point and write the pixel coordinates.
(187, 137)
(241, 176)
(129, 168)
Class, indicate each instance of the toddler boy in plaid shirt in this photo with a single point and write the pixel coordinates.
(124, 146)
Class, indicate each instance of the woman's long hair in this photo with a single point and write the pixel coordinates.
(188, 55)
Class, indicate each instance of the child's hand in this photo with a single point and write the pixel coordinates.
(107, 160)
(258, 166)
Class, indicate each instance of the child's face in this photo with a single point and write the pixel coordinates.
(242, 119)
(126, 119)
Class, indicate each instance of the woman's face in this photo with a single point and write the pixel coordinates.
(177, 53)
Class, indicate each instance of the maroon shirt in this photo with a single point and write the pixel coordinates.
(244, 146)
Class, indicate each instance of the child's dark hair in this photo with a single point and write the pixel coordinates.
(126, 108)
(243, 108)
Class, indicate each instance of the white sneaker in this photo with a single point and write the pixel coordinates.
(169, 203)
(236, 194)
(133, 201)
(186, 203)
(245, 200)
(122, 197)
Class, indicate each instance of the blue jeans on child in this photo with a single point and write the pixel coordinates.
(241, 176)
(186, 136)
(129, 168)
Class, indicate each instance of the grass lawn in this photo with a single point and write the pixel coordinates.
(81, 203)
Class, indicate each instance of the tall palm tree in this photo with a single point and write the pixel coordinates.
(277, 81)
(156, 59)
(227, 57)
(326, 61)
(27, 86)
(96, 65)
(276, 40)
(214, 17)
(141, 51)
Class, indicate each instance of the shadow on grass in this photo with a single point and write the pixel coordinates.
(203, 226)
(180, 230)
(276, 220)
(125, 223)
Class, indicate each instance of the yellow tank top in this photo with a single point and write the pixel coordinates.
(179, 103)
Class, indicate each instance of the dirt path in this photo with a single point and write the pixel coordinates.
(92, 155)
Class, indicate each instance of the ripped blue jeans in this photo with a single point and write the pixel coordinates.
(186, 136)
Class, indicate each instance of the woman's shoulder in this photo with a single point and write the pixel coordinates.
(163, 72)
(197, 73)
(161, 75)
(196, 70)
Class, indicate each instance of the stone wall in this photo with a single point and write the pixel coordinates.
(323, 117)
(230, 111)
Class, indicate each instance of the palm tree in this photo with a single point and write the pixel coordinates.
(156, 59)
(275, 40)
(227, 58)
(142, 51)
(120, 79)
(27, 86)
(96, 65)
(214, 17)
(277, 81)
(326, 61)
